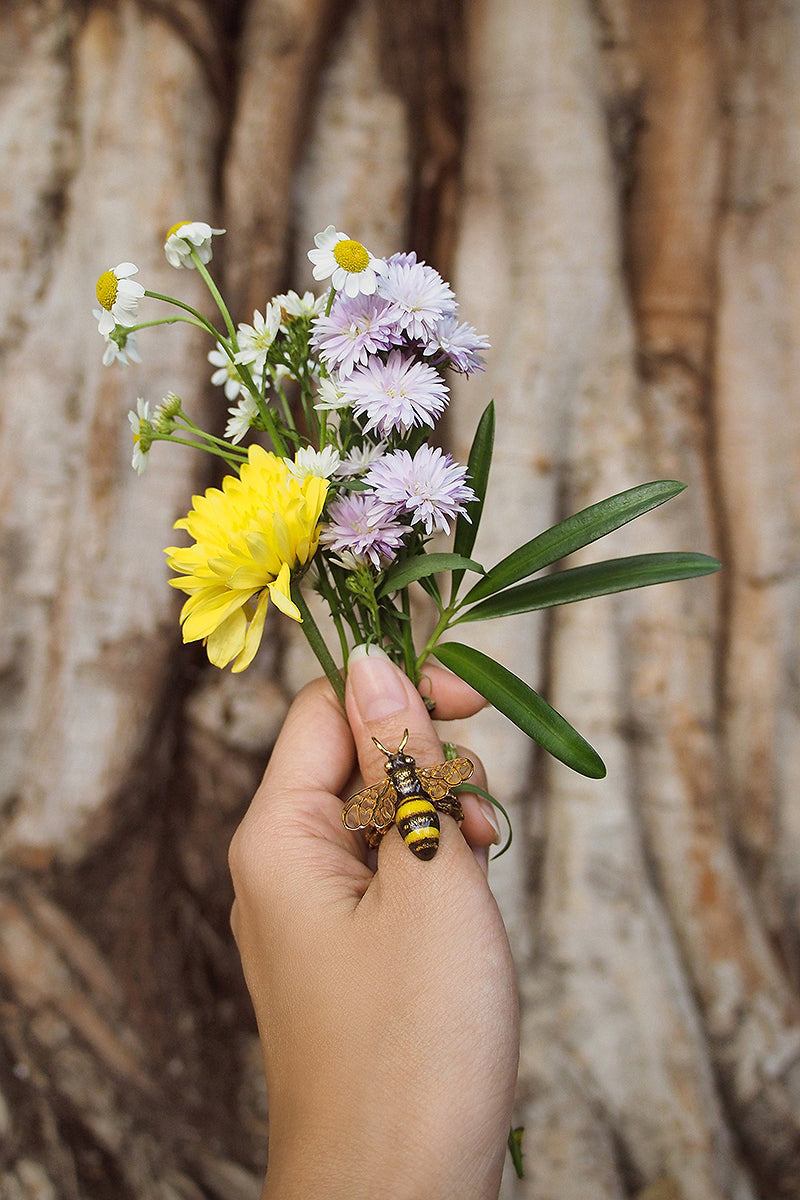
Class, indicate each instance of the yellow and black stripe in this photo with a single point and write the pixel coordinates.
(418, 822)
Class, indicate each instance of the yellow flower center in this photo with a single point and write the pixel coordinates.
(107, 286)
(351, 255)
(174, 228)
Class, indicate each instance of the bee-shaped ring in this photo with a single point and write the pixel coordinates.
(408, 798)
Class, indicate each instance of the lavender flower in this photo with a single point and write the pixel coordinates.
(418, 294)
(362, 529)
(356, 327)
(457, 346)
(395, 395)
(430, 488)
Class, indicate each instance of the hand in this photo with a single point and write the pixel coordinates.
(386, 1002)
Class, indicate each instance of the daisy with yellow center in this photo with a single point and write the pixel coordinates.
(119, 297)
(185, 237)
(248, 539)
(350, 266)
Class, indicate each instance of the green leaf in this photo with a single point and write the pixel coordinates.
(571, 534)
(522, 705)
(478, 465)
(421, 565)
(593, 579)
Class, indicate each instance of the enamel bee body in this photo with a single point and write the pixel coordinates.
(409, 798)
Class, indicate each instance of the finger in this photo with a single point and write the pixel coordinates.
(382, 703)
(451, 697)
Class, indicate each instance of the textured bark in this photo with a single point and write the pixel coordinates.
(612, 188)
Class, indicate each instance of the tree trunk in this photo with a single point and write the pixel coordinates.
(612, 189)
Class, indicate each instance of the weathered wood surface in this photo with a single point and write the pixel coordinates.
(612, 188)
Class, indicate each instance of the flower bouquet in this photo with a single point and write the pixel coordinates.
(332, 482)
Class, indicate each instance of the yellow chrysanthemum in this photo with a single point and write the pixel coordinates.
(248, 538)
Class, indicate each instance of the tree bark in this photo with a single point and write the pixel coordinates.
(611, 187)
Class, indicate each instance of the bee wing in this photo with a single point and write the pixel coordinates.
(374, 807)
(437, 780)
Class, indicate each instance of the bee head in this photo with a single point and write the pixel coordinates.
(395, 758)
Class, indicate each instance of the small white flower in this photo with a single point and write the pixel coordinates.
(119, 297)
(142, 434)
(242, 417)
(120, 343)
(186, 236)
(294, 305)
(350, 265)
(226, 375)
(323, 463)
(256, 339)
(331, 398)
(360, 459)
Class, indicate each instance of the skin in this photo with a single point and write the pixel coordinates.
(386, 1000)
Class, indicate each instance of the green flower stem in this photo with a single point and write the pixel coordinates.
(199, 318)
(317, 644)
(215, 292)
(209, 437)
(200, 324)
(409, 659)
(332, 600)
(442, 626)
(232, 458)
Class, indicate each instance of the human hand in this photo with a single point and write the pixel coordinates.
(386, 1002)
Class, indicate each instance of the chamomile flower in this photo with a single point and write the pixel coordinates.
(226, 376)
(322, 463)
(362, 529)
(355, 328)
(119, 297)
(242, 417)
(120, 344)
(142, 428)
(418, 295)
(256, 339)
(396, 394)
(430, 488)
(292, 305)
(186, 236)
(358, 460)
(349, 265)
(330, 397)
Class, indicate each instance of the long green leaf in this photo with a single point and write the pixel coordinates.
(571, 534)
(522, 705)
(422, 565)
(478, 465)
(593, 579)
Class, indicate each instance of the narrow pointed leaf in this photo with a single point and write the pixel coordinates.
(522, 705)
(571, 534)
(593, 579)
(420, 566)
(478, 464)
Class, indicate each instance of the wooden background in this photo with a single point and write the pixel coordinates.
(612, 188)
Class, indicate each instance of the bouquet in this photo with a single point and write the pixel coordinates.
(332, 482)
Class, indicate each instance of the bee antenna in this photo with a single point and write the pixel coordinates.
(403, 742)
(381, 746)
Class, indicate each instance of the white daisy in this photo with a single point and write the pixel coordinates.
(226, 376)
(323, 463)
(293, 305)
(330, 395)
(186, 236)
(142, 434)
(241, 419)
(120, 344)
(119, 297)
(256, 339)
(349, 265)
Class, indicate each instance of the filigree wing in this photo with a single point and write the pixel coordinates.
(372, 808)
(438, 779)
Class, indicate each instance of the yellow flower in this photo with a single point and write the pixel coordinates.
(248, 538)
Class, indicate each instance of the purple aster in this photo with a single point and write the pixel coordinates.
(397, 394)
(430, 488)
(457, 346)
(418, 294)
(362, 529)
(356, 327)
